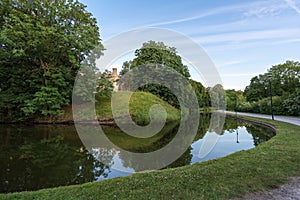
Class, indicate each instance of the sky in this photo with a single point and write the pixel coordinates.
(243, 38)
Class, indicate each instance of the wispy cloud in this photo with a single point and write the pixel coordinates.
(216, 11)
(251, 44)
(293, 5)
(237, 37)
(266, 9)
(258, 9)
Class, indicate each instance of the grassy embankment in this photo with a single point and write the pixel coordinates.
(140, 103)
(261, 168)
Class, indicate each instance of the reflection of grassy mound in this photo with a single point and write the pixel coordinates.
(139, 107)
(135, 144)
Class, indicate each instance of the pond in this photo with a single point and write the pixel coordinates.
(45, 156)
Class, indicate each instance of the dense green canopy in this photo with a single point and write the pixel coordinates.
(284, 80)
(43, 43)
(161, 57)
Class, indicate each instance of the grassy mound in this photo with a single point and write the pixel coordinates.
(139, 107)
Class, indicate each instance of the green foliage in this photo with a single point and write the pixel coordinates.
(125, 67)
(87, 78)
(234, 99)
(104, 88)
(46, 102)
(43, 43)
(292, 104)
(157, 55)
(284, 80)
(201, 93)
(218, 96)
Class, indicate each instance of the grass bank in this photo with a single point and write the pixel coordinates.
(264, 167)
(139, 106)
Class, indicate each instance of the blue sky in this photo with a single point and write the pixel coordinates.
(243, 38)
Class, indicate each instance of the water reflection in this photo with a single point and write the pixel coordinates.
(34, 157)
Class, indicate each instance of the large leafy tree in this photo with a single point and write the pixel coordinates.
(158, 53)
(159, 56)
(42, 44)
(284, 78)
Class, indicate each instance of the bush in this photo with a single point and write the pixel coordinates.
(292, 104)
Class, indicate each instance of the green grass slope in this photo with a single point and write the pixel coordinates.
(139, 107)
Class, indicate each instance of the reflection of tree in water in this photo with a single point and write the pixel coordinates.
(31, 163)
(141, 164)
(203, 125)
(260, 134)
(105, 157)
(184, 159)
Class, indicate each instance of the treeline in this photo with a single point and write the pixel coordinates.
(282, 80)
(43, 43)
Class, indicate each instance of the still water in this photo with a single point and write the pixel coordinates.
(44, 156)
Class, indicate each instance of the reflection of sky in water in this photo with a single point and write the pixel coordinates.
(227, 144)
(117, 169)
(78, 165)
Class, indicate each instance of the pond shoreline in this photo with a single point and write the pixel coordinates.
(103, 121)
(253, 121)
(267, 166)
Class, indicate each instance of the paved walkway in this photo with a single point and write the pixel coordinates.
(291, 120)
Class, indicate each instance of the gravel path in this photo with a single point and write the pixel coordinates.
(289, 191)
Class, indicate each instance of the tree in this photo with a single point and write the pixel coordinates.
(234, 99)
(159, 56)
(292, 104)
(285, 79)
(218, 96)
(125, 67)
(104, 87)
(43, 43)
(201, 93)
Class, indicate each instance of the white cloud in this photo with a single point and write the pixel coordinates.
(293, 5)
(265, 10)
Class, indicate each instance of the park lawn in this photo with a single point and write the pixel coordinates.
(264, 167)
